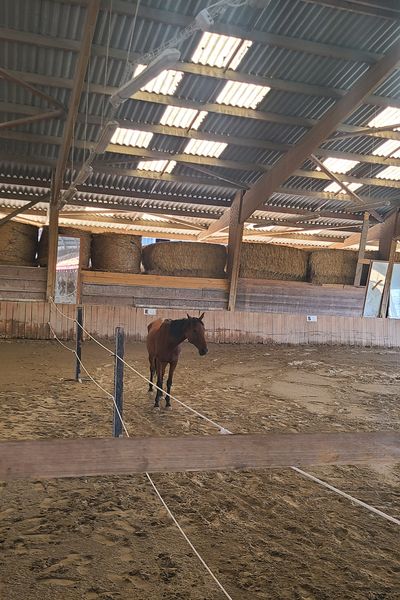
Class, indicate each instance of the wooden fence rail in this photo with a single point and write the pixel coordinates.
(42, 459)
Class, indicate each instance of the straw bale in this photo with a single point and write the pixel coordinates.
(116, 252)
(185, 259)
(332, 266)
(84, 236)
(268, 261)
(18, 244)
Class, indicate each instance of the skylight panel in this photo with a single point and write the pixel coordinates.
(159, 166)
(205, 148)
(388, 148)
(388, 116)
(165, 83)
(183, 117)
(339, 165)
(244, 95)
(336, 189)
(220, 50)
(389, 173)
(131, 137)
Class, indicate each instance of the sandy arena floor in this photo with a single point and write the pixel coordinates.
(268, 534)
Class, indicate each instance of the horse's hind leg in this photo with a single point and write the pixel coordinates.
(172, 367)
(152, 371)
(160, 376)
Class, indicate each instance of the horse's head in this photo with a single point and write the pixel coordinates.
(196, 335)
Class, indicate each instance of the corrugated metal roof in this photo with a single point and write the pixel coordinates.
(291, 18)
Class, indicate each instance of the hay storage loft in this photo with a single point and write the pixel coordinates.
(263, 162)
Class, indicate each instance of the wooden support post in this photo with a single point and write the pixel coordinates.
(79, 338)
(361, 249)
(390, 232)
(52, 250)
(234, 248)
(118, 382)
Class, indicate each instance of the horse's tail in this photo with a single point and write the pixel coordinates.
(149, 327)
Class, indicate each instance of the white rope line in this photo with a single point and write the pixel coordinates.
(223, 430)
(194, 411)
(90, 377)
(171, 515)
(355, 500)
(187, 539)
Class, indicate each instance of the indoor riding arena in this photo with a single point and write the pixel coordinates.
(199, 300)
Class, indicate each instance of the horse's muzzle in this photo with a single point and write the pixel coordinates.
(203, 351)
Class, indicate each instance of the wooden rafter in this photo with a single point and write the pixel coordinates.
(11, 76)
(294, 158)
(44, 116)
(79, 79)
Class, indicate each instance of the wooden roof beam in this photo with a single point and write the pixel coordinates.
(294, 158)
(92, 11)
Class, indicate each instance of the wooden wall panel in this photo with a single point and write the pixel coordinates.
(22, 283)
(30, 320)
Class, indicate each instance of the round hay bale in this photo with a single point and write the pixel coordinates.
(18, 244)
(185, 259)
(268, 261)
(332, 266)
(116, 252)
(85, 237)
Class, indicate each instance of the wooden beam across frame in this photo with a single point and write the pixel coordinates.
(295, 157)
(92, 11)
(43, 459)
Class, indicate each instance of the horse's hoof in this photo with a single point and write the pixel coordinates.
(156, 408)
(168, 407)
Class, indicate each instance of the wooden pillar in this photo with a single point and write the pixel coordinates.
(390, 233)
(361, 249)
(234, 248)
(52, 251)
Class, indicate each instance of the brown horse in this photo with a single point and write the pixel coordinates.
(164, 340)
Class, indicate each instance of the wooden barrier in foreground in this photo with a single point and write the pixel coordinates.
(42, 459)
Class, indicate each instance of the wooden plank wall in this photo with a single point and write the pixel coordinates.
(29, 320)
(298, 297)
(212, 294)
(22, 283)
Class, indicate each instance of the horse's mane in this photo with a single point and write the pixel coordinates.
(177, 327)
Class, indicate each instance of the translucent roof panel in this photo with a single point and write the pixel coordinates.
(183, 117)
(244, 95)
(159, 166)
(388, 116)
(205, 148)
(388, 148)
(165, 83)
(220, 50)
(389, 173)
(336, 189)
(132, 137)
(339, 165)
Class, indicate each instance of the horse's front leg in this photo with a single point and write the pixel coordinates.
(160, 366)
(172, 367)
(152, 371)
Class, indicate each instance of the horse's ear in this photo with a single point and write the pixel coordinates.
(188, 316)
(201, 317)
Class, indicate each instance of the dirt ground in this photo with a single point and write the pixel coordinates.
(266, 534)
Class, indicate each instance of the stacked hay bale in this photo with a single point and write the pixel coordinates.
(185, 259)
(84, 236)
(332, 266)
(267, 261)
(18, 244)
(116, 252)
